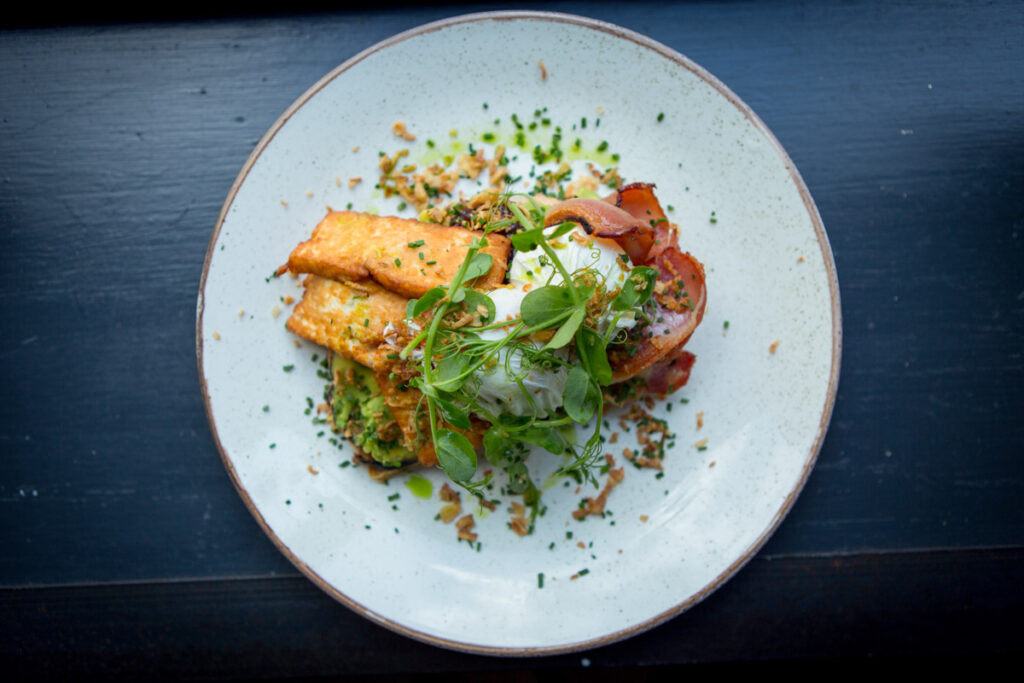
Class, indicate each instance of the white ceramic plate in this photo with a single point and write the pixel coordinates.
(670, 541)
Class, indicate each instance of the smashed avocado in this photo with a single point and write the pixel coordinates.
(360, 413)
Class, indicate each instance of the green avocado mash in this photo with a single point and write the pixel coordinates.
(359, 412)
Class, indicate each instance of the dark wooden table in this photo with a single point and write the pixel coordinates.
(126, 550)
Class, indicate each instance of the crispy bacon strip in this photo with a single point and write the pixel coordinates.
(599, 218)
(638, 200)
(680, 297)
(664, 377)
(633, 217)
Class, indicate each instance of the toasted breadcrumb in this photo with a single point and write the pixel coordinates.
(644, 518)
(337, 181)
(284, 203)
(800, 260)
(448, 494)
(312, 470)
(774, 346)
(543, 70)
(595, 506)
(216, 335)
(399, 129)
(355, 149)
(352, 182)
(297, 344)
(464, 526)
(651, 434)
(289, 299)
(241, 312)
(450, 512)
(275, 311)
(700, 419)
(702, 443)
(520, 525)
(380, 474)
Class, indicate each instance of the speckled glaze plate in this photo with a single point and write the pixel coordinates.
(767, 352)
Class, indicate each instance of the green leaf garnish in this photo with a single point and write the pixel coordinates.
(456, 455)
(454, 351)
(544, 303)
(479, 265)
(528, 240)
(425, 302)
(581, 395)
(473, 300)
(637, 289)
(567, 331)
(454, 415)
(595, 347)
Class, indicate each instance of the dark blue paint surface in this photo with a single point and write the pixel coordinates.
(118, 144)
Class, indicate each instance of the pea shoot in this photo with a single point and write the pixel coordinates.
(563, 327)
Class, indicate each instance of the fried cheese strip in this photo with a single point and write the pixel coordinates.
(355, 246)
(347, 318)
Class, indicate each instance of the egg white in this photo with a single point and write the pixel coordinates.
(498, 392)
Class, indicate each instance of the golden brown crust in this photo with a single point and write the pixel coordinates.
(355, 246)
(347, 318)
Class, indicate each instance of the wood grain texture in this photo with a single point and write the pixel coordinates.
(118, 144)
(796, 608)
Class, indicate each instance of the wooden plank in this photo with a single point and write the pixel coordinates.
(118, 144)
(859, 607)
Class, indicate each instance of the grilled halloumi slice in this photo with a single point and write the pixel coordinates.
(403, 255)
(348, 318)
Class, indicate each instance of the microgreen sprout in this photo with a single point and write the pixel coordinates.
(562, 326)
